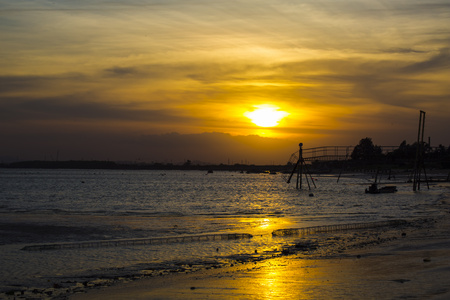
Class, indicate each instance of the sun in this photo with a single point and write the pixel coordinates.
(266, 115)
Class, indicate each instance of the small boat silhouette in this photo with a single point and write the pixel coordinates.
(374, 189)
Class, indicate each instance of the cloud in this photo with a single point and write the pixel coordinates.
(171, 147)
(438, 62)
(78, 108)
(401, 51)
(32, 83)
(121, 71)
(141, 67)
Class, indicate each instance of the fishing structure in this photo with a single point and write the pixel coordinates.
(301, 168)
(140, 241)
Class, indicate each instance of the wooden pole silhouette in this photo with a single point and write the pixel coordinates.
(301, 168)
(419, 163)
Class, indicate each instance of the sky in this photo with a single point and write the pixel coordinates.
(169, 80)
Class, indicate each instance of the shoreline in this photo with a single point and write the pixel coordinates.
(412, 262)
(324, 264)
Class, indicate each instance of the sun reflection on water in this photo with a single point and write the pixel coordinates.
(263, 225)
(277, 282)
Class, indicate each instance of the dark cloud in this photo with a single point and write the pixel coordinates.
(19, 83)
(355, 81)
(168, 71)
(172, 147)
(79, 108)
(437, 62)
(121, 71)
(439, 6)
(216, 147)
(83, 6)
(32, 83)
(402, 50)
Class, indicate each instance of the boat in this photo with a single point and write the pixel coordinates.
(374, 189)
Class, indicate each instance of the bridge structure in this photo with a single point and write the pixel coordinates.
(300, 159)
(332, 153)
(340, 153)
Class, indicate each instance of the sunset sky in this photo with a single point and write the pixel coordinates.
(171, 80)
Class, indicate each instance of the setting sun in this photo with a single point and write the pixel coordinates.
(266, 115)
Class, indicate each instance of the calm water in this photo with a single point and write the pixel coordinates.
(59, 206)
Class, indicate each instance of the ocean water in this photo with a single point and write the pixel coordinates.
(41, 207)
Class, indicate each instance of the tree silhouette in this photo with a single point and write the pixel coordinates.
(366, 150)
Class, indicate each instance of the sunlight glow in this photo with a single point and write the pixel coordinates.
(266, 115)
(265, 223)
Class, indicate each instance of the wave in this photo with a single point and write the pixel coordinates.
(93, 212)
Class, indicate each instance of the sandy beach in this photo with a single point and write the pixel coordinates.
(404, 263)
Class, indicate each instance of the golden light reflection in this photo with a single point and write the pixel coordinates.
(266, 115)
(260, 225)
(265, 225)
(273, 283)
(279, 279)
(291, 278)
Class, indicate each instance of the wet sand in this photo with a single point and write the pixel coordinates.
(415, 264)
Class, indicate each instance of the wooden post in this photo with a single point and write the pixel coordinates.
(419, 164)
(300, 167)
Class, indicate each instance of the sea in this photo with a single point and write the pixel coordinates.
(174, 219)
